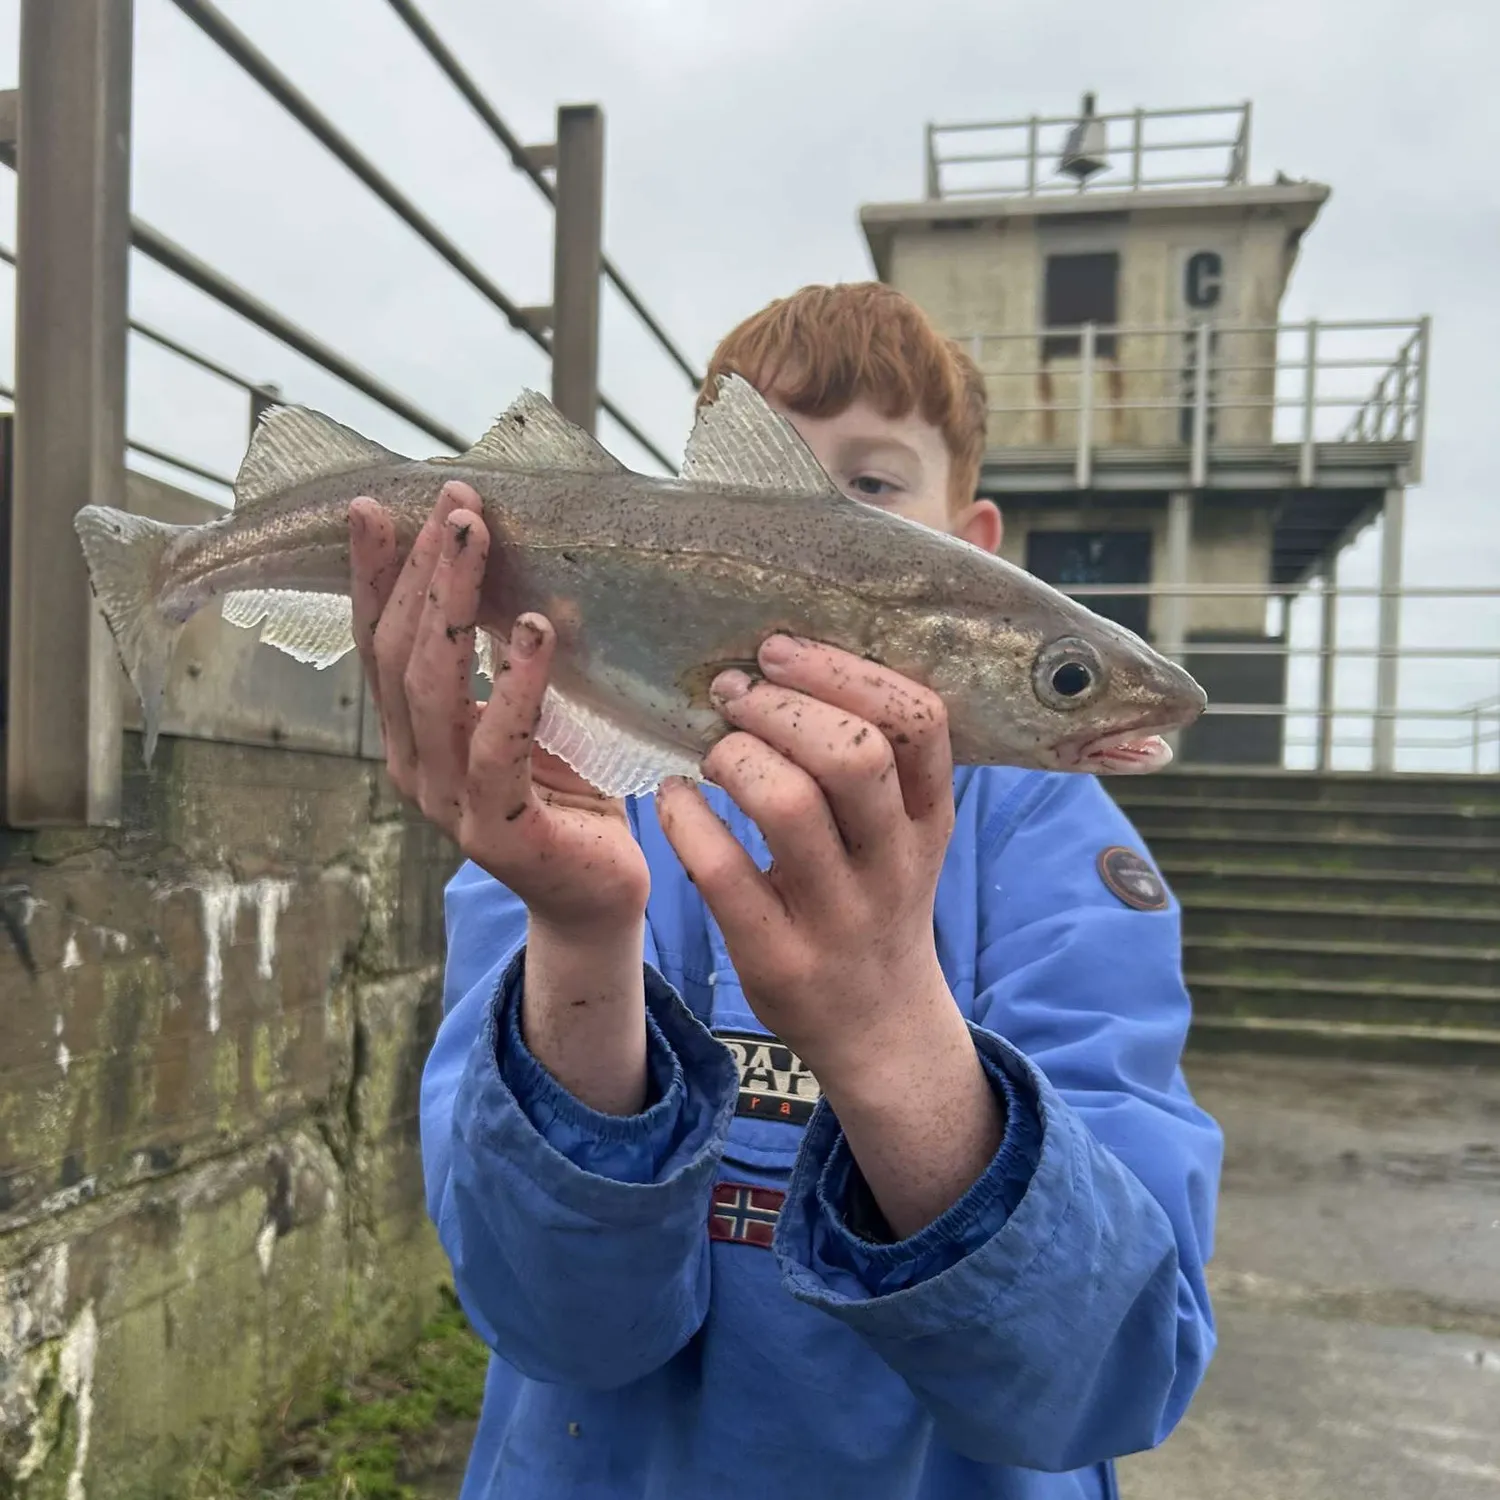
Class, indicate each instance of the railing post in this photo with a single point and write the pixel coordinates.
(1388, 663)
(578, 261)
(1137, 141)
(1083, 473)
(1199, 462)
(63, 750)
(934, 186)
(1327, 661)
(1424, 359)
(1478, 737)
(1172, 634)
(1033, 137)
(1307, 466)
(262, 399)
(1403, 377)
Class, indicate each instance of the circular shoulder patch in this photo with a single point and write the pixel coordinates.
(1132, 879)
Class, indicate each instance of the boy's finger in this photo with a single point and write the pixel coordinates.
(846, 755)
(499, 776)
(909, 715)
(438, 682)
(397, 631)
(373, 566)
(742, 900)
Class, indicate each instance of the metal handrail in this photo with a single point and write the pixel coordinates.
(1137, 150)
(523, 160)
(1215, 378)
(236, 45)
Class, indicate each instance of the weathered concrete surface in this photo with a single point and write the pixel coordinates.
(212, 1024)
(1357, 1285)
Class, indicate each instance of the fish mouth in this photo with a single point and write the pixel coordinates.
(1129, 752)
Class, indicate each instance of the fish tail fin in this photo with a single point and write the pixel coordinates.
(125, 555)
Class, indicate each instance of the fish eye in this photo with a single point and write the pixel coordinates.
(1068, 674)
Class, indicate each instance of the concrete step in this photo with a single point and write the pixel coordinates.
(1400, 890)
(1161, 814)
(1364, 1001)
(1319, 959)
(1330, 851)
(1431, 1045)
(1266, 914)
(1479, 794)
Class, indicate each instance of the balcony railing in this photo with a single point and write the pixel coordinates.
(1207, 146)
(1207, 388)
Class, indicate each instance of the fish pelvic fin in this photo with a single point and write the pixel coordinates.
(292, 445)
(126, 557)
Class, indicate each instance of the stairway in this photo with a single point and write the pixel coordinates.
(1346, 914)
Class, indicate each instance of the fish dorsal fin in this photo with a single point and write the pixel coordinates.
(739, 442)
(292, 445)
(533, 434)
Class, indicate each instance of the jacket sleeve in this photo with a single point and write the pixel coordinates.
(1057, 1316)
(577, 1240)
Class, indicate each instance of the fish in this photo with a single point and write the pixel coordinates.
(653, 586)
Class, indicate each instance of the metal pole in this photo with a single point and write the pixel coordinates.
(1137, 139)
(262, 399)
(1033, 129)
(1199, 460)
(1327, 651)
(1307, 464)
(1388, 664)
(933, 185)
(1424, 359)
(1084, 466)
(1174, 603)
(576, 263)
(63, 733)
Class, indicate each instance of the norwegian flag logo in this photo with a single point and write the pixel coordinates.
(745, 1215)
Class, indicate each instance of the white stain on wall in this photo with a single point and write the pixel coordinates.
(222, 900)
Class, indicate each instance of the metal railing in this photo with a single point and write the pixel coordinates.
(71, 115)
(1461, 732)
(1212, 151)
(1207, 387)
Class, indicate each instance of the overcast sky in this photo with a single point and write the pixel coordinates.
(741, 141)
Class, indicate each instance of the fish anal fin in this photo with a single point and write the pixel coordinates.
(619, 762)
(314, 628)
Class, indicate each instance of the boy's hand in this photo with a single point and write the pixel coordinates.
(471, 767)
(847, 769)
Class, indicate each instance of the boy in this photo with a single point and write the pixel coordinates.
(838, 1148)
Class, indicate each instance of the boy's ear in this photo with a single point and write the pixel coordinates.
(982, 524)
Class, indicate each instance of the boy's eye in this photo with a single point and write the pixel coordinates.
(869, 486)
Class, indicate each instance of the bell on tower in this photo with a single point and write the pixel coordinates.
(1086, 150)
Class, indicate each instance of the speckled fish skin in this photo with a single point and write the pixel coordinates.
(653, 586)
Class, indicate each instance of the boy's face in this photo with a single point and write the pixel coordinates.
(900, 464)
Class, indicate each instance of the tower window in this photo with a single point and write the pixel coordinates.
(1081, 289)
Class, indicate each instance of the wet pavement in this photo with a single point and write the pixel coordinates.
(1357, 1286)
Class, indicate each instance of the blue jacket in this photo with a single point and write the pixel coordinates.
(676, 1301)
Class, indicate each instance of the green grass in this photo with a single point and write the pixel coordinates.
(374, 1438)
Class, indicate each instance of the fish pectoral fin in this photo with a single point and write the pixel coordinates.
(619, 762)
(292, 445)
(739, 442)
(533, 434)
(314, 628)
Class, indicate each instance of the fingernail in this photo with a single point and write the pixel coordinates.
(778, 650)
(728, 686)
(525, 638)
(357, 522)
(451, 539)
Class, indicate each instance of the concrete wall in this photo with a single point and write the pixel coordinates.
(1230, 543)
(981, 280)
(212, 1025)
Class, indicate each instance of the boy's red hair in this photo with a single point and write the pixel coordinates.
(825, 347)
